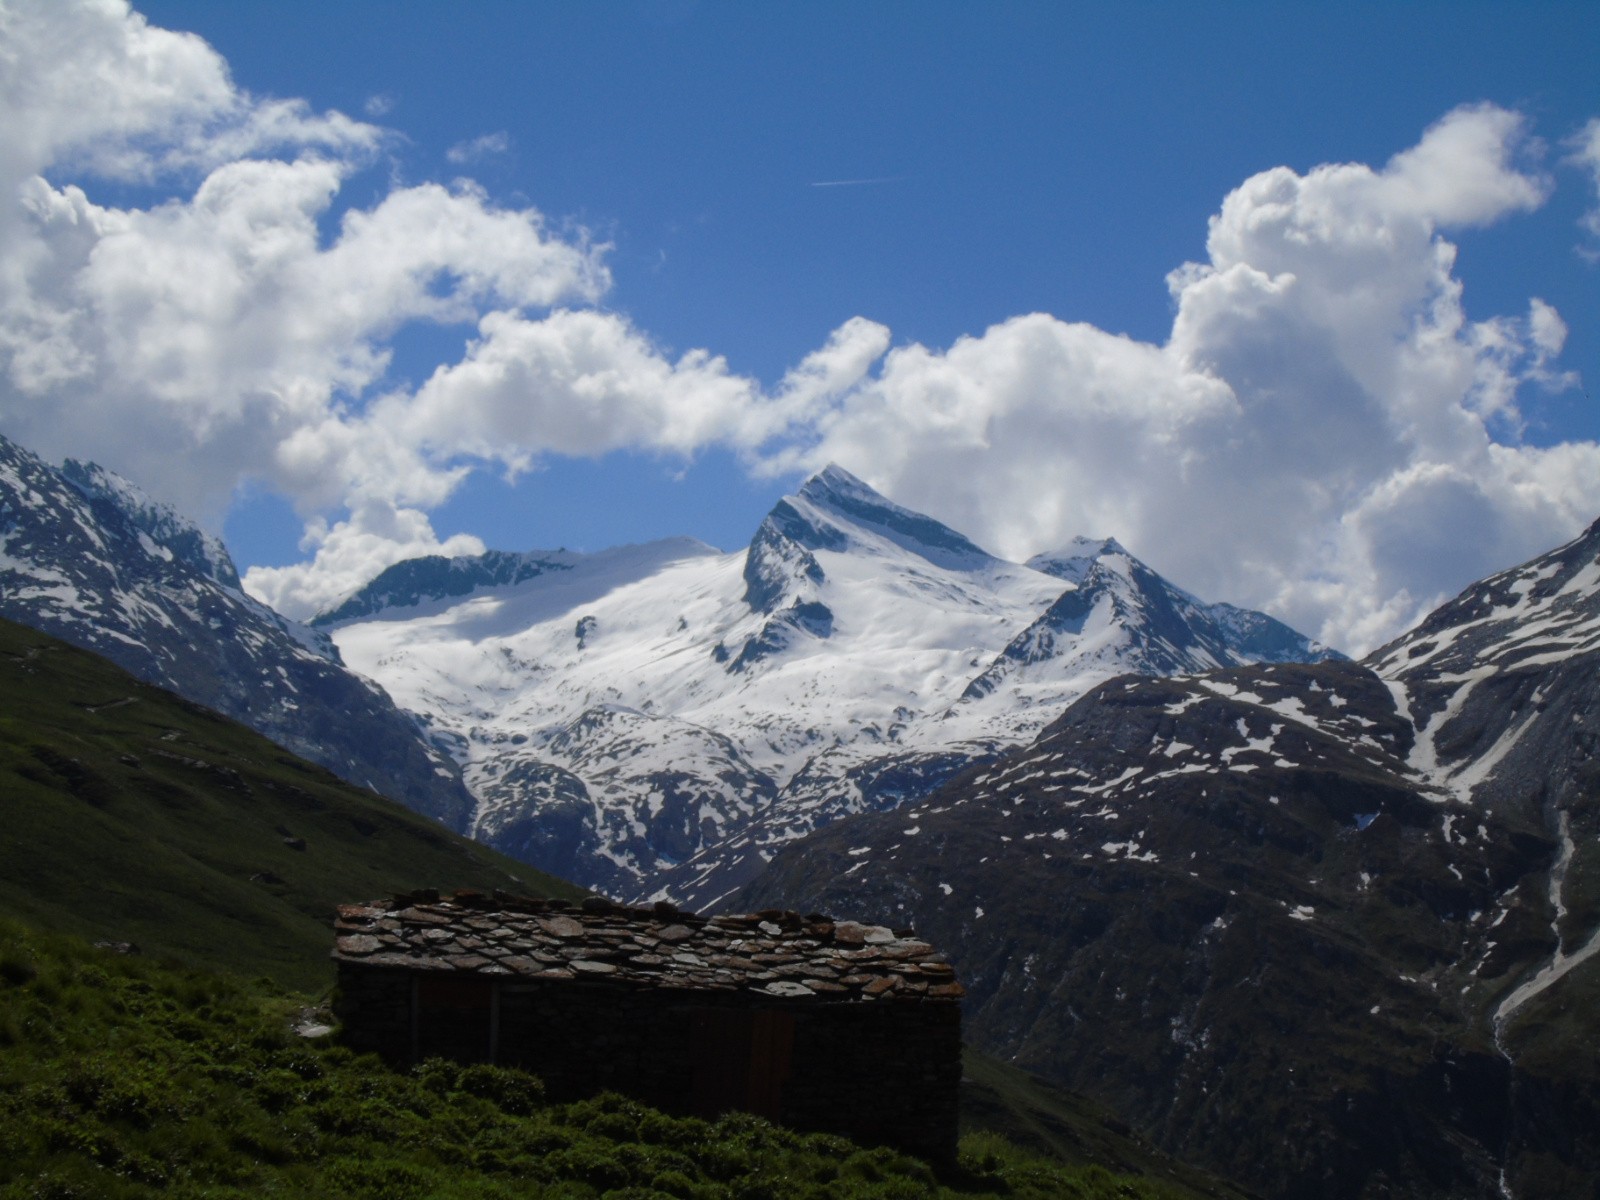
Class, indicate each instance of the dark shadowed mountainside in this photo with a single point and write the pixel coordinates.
(1331, 928)
(133, 815)
(86, 557)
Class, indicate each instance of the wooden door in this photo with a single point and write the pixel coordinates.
(453, 1017)
(742, 1060)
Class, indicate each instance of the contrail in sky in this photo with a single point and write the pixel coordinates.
(857, 182)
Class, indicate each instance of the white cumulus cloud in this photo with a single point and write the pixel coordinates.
(1586, 155)
(1324, 432)
(235, 330)
(486, 146)
(573, 382)
(90, 84)
(374, 536)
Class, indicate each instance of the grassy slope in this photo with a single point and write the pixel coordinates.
(1041, 1118)
(130, 814)
(121, 1077)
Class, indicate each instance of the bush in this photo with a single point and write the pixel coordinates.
(677, 1184)
(514, 1092)
(359, 1178)
(16, 969)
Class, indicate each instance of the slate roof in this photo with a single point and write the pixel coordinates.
(771, 953)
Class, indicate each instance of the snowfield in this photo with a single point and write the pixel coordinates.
(750, 689)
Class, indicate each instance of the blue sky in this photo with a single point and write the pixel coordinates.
(762, 174)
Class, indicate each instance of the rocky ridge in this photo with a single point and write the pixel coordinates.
(1330, 927)
(88, 558)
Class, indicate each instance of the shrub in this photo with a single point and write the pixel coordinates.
(360, 1178)
(676, 1183)
(514, 1092)
(592, 1162)
(16, 969)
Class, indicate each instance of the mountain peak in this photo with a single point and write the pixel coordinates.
(1073, 561)
(846, 503)
(171, 533)
(834, 481)
(410, 582)
(1557, 594)
(405, 588)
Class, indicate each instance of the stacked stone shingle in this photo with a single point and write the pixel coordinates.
(778, 954)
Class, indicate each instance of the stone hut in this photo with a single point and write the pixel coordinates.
(818, 1024)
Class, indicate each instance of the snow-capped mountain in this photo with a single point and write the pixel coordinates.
(1489, 677)
(653, 720)
(1121, 613)
(1331, 928)
(87, 557)
(1503, 687)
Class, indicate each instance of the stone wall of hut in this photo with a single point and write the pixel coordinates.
(881, 1073)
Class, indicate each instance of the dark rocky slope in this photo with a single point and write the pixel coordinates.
(86, 557)
(1330, 928)
(134, 816)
